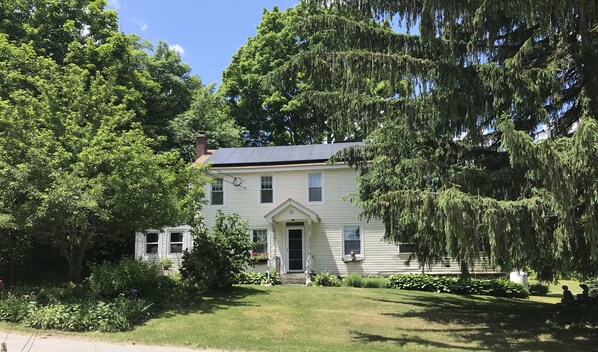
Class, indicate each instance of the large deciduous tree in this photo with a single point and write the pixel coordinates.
(271, 112)
(439, 166)
(76, 163)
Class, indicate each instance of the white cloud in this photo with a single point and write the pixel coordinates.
(115, 4)
(142, 25)
(176, 47)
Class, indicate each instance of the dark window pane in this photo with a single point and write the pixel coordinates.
(407, 248)
(217, 198)
(151, 237)
(176, 248)
(351, 245)
(176, 237)
(151, 248)
(267, 196)
(315, 194)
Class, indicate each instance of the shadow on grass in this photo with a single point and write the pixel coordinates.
(490, 323)
(211, 302)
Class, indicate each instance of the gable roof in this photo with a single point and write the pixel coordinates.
(290, 209)
(293, 154)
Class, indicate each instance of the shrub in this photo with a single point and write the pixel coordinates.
(118, 315)
(326, 279)
(420, 282)
(538, 289)
(216, 259)
(353, 280)
(375, 282)
(249, 278)
(13, 309)
(592, 287)
(129, 277)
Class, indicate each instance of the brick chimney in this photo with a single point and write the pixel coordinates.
(201, 144)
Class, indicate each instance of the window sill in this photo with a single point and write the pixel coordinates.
(348, 259)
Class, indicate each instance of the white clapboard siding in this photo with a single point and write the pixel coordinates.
(326, 242)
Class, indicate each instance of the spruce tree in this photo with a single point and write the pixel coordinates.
(485, 141)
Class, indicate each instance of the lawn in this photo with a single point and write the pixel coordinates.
(297, 318)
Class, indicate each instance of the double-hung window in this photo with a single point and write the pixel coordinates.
(266, 189)
(217, 192)
(260, 242)
(314, 187)
(151, 243)
(352, 242)
(176, 242)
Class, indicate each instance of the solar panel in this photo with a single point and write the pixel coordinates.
(261, 155)
(240, 155)
(322, 152)
(300, 152)
(220, 156)
(273, 155)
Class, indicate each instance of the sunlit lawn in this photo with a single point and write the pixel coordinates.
(297, 318)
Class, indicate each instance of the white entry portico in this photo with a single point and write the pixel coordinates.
(291, 232)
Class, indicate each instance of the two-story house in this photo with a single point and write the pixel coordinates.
(297, 208)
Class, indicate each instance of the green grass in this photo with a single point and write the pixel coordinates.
(555, 292)
(298, 318)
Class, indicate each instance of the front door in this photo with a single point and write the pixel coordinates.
(295, 246)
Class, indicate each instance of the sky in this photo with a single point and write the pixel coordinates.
(205, 32)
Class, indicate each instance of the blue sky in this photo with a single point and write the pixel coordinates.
(206, 32)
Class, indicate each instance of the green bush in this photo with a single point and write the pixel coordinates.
(538, 289)
(375, 282)
(353, 280)
(13, 309)
(119, 315)
(420, 282)
(592, 287)
(128, 278)
(326, 279)
(249, 278)
(217, 258)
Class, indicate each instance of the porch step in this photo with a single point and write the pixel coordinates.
(293, 279)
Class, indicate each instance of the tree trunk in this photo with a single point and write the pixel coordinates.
(75, 260)
(464, 271)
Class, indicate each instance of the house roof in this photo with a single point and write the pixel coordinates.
(295, 154)
(290, 209)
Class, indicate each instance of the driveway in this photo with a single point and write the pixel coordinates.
(46, 342)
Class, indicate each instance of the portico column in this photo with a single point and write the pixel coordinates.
(308, 243)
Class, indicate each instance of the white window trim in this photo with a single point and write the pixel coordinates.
(259, 189)
(168, 242)
(358, 257)
(322, 183)
(267, 238)
(224, 190)
(145, 243)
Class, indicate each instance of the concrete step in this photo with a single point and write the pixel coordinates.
(293, 279)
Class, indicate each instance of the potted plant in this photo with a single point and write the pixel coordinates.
(166, 263)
